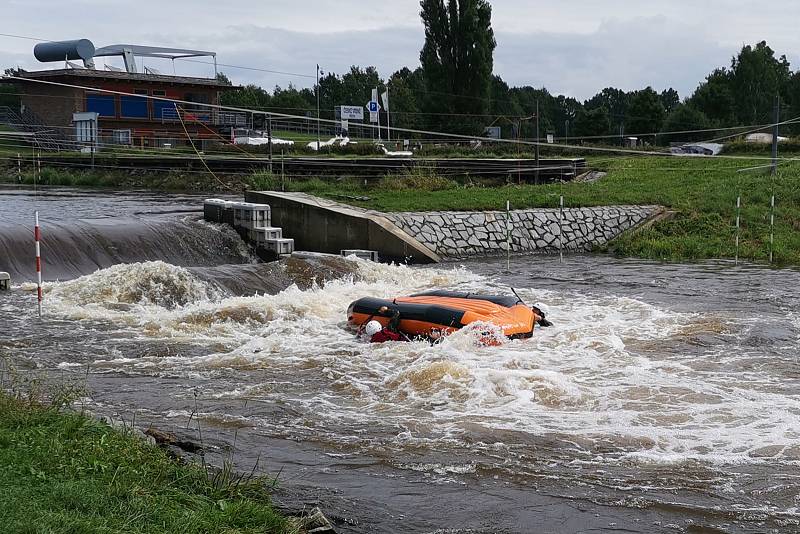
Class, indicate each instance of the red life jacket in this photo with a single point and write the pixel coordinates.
(386, 335)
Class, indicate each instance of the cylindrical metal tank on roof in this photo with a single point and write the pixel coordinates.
(61, 50)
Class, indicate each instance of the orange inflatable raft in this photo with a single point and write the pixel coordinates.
(443, 312)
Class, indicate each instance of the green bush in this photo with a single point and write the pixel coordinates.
(419, 178)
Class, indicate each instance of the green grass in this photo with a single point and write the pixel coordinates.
(702, 192)
(61, 472)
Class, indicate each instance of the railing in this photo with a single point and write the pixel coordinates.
(217, 118)
(44, 137)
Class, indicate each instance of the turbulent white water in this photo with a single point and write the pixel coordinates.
(603, 378)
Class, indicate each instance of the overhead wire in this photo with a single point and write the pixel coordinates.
(370, 126)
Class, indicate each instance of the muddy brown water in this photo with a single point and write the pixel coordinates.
(666, 398)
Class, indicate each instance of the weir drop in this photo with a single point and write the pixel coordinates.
(663, 399)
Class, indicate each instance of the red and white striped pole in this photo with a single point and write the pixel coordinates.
(37, 235)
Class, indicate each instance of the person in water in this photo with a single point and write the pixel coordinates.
(377, 333)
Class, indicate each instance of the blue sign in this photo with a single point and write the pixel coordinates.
(372, 106)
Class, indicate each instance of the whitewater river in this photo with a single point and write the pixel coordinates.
(665, 398)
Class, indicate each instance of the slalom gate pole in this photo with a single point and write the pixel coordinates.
(738, 213)
(561, 229)
(37, 234)
(772, 227)
(508, 235)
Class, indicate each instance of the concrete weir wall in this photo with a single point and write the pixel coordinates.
(321, 225)
(460, 234)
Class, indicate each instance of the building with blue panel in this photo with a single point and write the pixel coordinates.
(149, 108)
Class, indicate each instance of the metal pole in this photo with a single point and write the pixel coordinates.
(561, 229)
(388, 122)
(538, 140)
(19, 168)
(283, 176)
(777, 110)
(508, 235)
(377, 92)
(269, 139)
(37, 236)
(319, 137)
(738, 210)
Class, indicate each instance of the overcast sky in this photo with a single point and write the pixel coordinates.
(575, 47)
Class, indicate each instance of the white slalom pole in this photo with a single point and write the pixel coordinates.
(561, 229)
(37, 235)
(508, 235)
(772, 228)
(738, 211)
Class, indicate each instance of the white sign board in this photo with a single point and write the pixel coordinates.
(550, 138)
(85, 126)
(352, 113)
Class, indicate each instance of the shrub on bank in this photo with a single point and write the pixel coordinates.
(419, 178)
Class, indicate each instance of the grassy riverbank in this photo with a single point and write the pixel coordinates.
(63, 472)
(701, 192)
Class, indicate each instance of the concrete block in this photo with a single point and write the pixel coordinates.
(249, 215)
(280, 246)
(212, 209)
(371, 255)
(261, 235)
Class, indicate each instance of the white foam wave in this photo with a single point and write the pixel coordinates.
(607, 372)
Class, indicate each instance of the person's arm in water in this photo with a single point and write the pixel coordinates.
(394, 322)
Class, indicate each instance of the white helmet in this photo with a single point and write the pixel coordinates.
(372, 328)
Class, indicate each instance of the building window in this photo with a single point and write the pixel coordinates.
(104, 105)
(163, 109)
(134, 107)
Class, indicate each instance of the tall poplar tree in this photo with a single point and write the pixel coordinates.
(457, 63)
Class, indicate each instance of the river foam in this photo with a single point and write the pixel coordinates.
(613, 374)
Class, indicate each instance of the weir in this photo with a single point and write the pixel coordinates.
(322, 225)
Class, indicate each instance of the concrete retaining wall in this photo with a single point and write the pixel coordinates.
(461, 234)
(321, 225)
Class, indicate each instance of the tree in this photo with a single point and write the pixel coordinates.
(292, 101)
(222, 78)
(714, 98)
(616, 101)
(248, 97)
(670, 99)
(457, 61)
(683, 118)
(564, 115)
(756, 78)
(645, 113)
(793, 102)
(357, 85)
(527, 98)
(405, 89)
(592, 122)
(503, 105)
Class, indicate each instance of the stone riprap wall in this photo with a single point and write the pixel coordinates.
(458, 234)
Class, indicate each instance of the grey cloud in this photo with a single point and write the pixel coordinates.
(575, 47)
